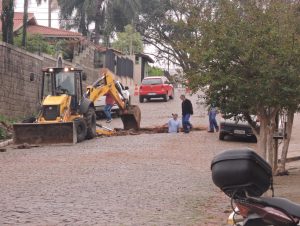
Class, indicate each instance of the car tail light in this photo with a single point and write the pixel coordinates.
(141, 87)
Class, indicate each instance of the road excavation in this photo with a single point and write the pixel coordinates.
(67, 113)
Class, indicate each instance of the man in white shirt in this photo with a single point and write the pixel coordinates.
(174, 124)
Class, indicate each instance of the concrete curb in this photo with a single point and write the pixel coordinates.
(6, 143)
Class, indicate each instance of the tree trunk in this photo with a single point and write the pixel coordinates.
(262, 139)
(286, 141)
(7, 18)
(82, 26)
(25, 18)
(98, 21)
(270, 143)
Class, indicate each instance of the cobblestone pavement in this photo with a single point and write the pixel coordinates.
(147, 179)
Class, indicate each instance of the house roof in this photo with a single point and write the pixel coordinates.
(18, 21)
(34, 28)
(50, 32)
(146, 57)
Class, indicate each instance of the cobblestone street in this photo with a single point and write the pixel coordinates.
(147, 179)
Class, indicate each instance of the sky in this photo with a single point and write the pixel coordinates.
(40, 12)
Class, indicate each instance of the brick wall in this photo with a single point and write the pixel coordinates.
(19, 97)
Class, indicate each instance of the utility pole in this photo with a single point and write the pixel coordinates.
(49, 12)
(131, 41)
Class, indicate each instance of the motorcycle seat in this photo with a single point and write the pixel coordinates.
(290, 207)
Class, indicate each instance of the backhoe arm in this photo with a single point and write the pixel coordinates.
(104, 85)
(130, 115)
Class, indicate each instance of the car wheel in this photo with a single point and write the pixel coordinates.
(141, 99)
(165, 97)
(172, 95)
(221, 136)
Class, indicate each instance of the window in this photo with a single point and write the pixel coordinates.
(47, 85)
(99, 59)
(152, 81)
(65, 81)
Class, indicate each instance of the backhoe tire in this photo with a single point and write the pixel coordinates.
(81, 129)
(90, 119)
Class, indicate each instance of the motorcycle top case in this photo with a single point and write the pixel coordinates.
(237, 171)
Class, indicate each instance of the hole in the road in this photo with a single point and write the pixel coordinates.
(151, 130)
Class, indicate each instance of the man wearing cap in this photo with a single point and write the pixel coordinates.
(173, 124)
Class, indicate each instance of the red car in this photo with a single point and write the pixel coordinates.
(156, 87)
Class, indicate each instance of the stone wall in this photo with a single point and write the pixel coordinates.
(20, 97)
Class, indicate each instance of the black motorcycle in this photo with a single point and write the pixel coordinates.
(244, 176)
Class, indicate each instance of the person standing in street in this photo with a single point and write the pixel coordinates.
(109, 103)
(187, 111)
(173, 124)
(212, 113)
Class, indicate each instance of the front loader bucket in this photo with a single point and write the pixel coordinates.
(44, 133)
(131, 117)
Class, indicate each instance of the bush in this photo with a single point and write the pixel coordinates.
(2, 133)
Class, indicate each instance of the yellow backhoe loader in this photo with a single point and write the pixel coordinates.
(67, 113)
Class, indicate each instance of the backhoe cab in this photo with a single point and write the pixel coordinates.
(67, 114)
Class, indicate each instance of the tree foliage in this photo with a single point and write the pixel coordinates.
(108, 16)
(155, 71)
(128, 41)
(36, 44)
(246, 52)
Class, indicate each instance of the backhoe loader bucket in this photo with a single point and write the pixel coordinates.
(44, 133)
(131, 117)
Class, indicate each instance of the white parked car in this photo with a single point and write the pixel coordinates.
(100, 103)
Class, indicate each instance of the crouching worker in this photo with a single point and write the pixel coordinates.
(174, 124)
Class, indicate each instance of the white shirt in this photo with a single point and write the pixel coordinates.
(173, 125)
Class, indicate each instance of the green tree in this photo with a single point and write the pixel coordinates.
(129, 41)
(7, 19)
(35, 44)
(155, 71)
(246, 52)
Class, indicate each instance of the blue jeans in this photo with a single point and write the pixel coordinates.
(213, 124)
(186, 123)
(107, 112)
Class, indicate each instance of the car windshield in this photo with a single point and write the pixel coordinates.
(152, 81)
